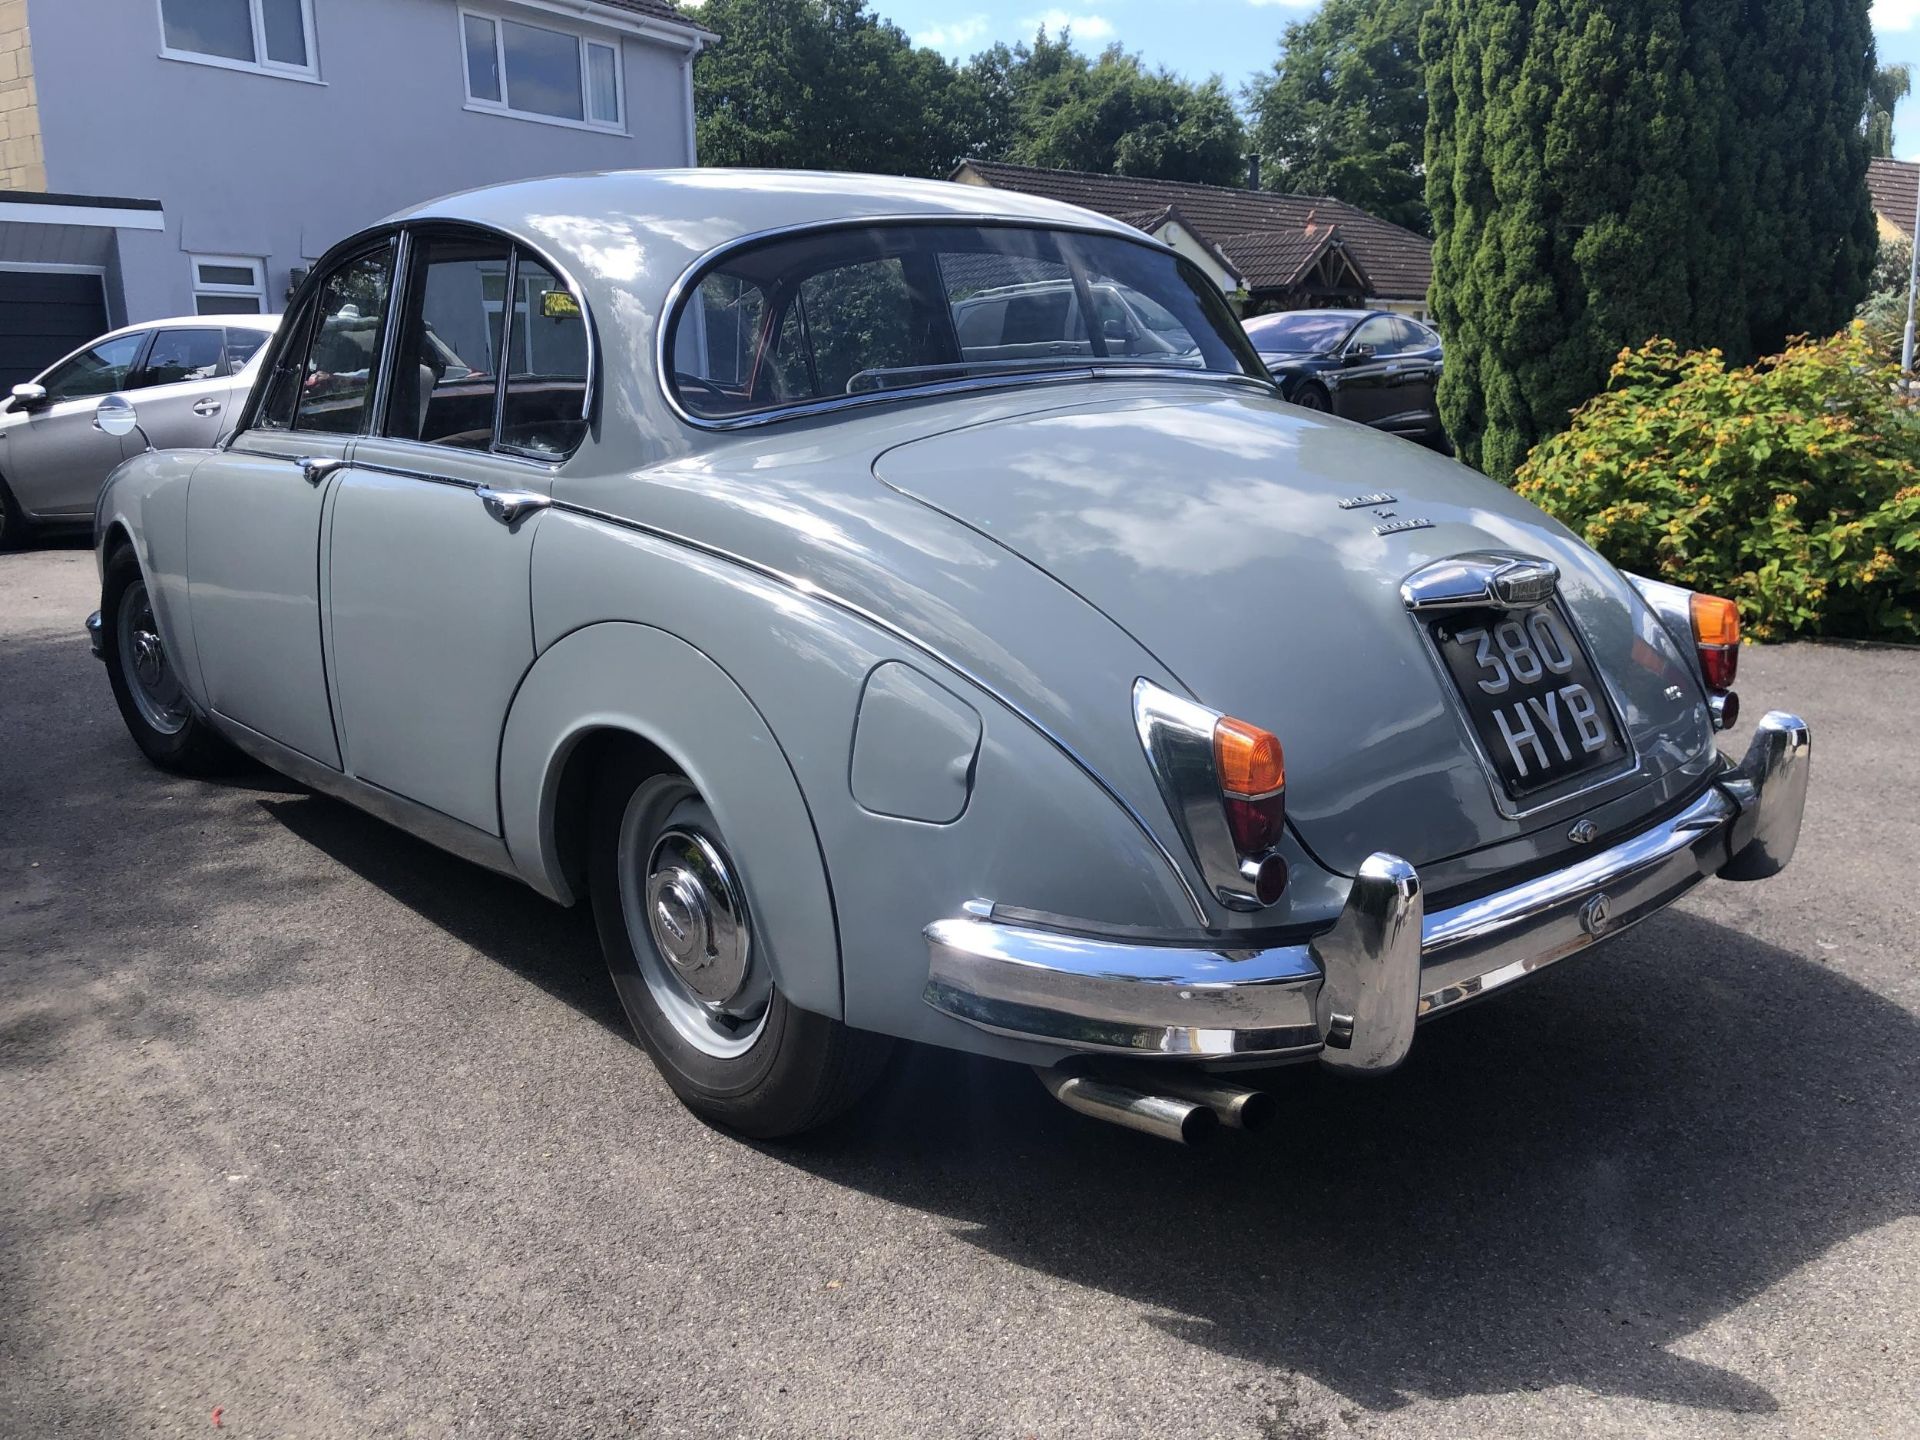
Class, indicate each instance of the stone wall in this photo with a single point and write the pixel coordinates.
(22, 159)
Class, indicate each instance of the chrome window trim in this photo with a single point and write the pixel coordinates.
(697, 271)
(812, 591)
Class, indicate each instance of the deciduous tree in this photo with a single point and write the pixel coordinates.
(1343, 112)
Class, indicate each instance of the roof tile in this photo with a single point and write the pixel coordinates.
(1893, 184)
(1248, 226)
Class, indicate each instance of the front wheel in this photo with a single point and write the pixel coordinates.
(691, 969)
(145, 686)
(1313, 397)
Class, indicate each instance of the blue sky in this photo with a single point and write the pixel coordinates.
(1240, 38)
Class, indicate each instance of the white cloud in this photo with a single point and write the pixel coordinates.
(1896, 14)
(1085, 27)
(953, 35)
(1290, 4)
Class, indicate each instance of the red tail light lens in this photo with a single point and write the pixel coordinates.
(1716, 633)
(1253, 783)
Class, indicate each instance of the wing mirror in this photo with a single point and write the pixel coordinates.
(1357, 355)
(116, 416)
(28, 397)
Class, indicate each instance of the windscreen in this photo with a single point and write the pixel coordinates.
(859, 312)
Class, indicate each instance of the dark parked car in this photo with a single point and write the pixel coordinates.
(1366, 365)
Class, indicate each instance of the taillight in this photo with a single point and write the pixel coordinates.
(1253, 787)
(1716, 634)
(1224, 782)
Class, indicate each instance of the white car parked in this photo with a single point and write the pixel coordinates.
(191, 375)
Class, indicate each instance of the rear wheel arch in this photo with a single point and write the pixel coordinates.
(614, 688)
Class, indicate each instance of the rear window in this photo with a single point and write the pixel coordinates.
(862, 312)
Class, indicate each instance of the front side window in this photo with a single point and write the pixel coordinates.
(179, 356)
(538, 71)
(847, 312)
(1379, 332)
(98, 371)
(324, 378)
(274, 35)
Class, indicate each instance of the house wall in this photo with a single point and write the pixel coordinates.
(278, 169)
(1182, 240)
(22, 164)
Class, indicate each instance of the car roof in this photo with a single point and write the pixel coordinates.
(267, 323)
(1318, 314)
(639, 231)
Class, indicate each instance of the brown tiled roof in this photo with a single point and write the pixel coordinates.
(1283, 257)
(1398, 262)
(1892, 184)
(654, 10)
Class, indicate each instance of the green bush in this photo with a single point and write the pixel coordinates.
(1791, 485)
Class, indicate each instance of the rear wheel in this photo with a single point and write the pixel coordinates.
(670, 905)
(145, 686)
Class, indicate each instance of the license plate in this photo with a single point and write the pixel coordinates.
(1534, 700)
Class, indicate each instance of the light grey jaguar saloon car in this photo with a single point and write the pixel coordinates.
(191, 375)
(673, 543)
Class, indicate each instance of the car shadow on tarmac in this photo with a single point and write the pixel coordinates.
(1558, 1188)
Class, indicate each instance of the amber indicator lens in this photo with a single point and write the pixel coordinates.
(1716, 631)
(1247, 760)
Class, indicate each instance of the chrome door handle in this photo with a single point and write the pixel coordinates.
(510, 507)
(206, 408)
(314, 471)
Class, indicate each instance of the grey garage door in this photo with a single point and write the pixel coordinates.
(42, 317)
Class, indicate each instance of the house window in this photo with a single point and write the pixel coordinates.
(273, 36)
(226, 285)
(555, 75)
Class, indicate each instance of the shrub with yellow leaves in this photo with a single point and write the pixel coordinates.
(1791, 485)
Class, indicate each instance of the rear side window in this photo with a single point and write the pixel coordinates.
(545, 398)
(178, 356)
(445, 381)
(242, 346)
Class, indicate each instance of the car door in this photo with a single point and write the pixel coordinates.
(255, 511)
(430, 543)
(181, 389)
(55, 459)
(1366, 383)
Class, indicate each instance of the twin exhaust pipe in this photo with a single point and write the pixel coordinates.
(1185, 1107)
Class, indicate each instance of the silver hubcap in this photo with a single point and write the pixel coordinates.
(143, 661)
(687, 922)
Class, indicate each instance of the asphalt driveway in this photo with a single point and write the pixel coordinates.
(306, 1121)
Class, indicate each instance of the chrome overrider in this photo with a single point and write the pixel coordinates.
(1353, 994)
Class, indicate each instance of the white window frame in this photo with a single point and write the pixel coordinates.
(503, 105)
(256, 291)
(260, 64)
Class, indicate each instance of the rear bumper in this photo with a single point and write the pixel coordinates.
(1354, 993)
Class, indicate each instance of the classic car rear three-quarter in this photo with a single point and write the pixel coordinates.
(790, 567)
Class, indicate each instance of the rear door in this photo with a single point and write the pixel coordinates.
(182, 389)
(56, 459)
(430, 544)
